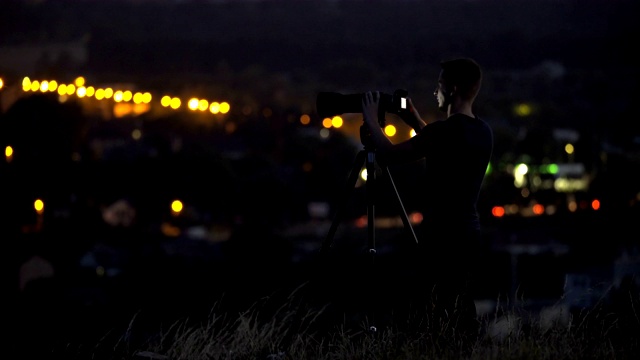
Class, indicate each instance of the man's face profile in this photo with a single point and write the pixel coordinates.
(441, 96)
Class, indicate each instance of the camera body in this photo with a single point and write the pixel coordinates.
(333, 103)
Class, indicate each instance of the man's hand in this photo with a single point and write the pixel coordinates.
(411, 116)
(370, 106)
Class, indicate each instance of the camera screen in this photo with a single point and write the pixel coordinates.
(403, 103)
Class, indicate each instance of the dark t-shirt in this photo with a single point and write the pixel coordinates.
(456, 155)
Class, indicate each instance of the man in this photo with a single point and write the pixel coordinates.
(456, 152)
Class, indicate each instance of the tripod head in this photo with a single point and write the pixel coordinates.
(365, 132)
(365, 137)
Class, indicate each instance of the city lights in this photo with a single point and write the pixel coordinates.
(305, 119)
(203, 104)
(498, 211)
(523, 110)
(337, 122)
(519, 175)
(142, 101)
(79, 81)
(193, 104)
(8, 153)
(100, 94)
(563, 178)
(390, 130)
(38, 205)
(568, 148)
(176, 207)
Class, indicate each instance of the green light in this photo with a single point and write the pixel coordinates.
(549, 169)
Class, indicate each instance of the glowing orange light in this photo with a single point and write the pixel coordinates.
(169, 230)
(122, 109)
(595, 204)
(361, 221)
(538, 209)
(416, 218)
(497, 211)
(141, 108)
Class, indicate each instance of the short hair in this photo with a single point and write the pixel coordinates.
(464, 73)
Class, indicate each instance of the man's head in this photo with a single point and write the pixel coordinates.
(459, 77)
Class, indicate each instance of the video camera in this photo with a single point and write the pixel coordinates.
(333, 103)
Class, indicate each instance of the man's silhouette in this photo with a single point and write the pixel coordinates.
(456, 152)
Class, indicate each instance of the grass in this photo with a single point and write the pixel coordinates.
(286, 327)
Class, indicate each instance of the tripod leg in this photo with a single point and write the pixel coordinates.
(371, 196)
(371, 232)
(403, 214)
(351, 182)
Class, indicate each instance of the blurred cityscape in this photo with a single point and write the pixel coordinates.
(154, 147)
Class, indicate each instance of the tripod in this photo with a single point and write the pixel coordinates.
(366, 157)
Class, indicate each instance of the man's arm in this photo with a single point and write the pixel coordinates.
(411, 117)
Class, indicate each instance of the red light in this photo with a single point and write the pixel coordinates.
(595, 204)
(415, 218)
(497, 211)
(361, 221)
(538, 209)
